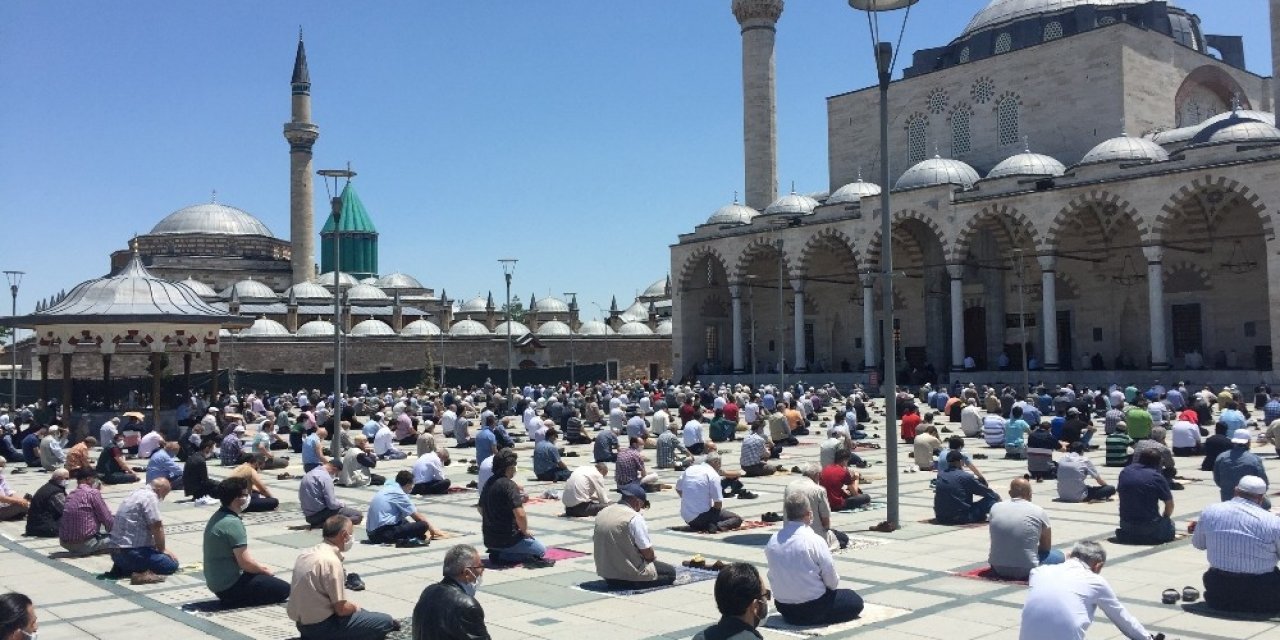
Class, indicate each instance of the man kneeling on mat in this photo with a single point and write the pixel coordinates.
(623, 553)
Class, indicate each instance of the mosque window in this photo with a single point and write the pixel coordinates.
(1004, 42)
(1106, 20)
(713, 343)
(960, 119)
(1052, 31)
(1007, 120)
(917, 134)
(964, 54)
(984, 89)
(937, 101)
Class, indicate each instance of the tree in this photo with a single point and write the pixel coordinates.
(515, 310)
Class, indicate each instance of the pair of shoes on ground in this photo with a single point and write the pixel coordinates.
(412, 543)
(771, 516)
(206, 501)
(746, 495)
(1188, 594)
(354, 582)
(145, 577)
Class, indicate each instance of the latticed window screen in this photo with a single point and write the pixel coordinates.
(713, 343)
(1004, 42)
(964, 55)
(1052, 31)
(1007, 121)
(917, 133)
(960, 118)
(1106, 20)
(937, 101)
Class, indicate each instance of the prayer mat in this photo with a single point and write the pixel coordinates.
(746, 525)
(986, 573)
(540, 500)
(862, 446)
(684, 575)
(405, 632)
(970, 525)
(858, 544)
(1203, 609)
(560, 553)
(871, 614)
(1176, 537)
(460, 489)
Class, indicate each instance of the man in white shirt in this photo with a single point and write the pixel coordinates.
(428, 473)
(819, 506)
(971, 419)
(618, 419)
(702, 498)
(449, 420)
(107, 432)
(802, 574)
(584, 494)
(1186, 438)
(751, 411)
(1063, 597)
(692, 436)
(1243, 543)
(150, 443)
(384, 445)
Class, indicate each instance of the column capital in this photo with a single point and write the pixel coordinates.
(868, 279)
(735, 290)
(956, 271)
(757, 13)
(797, 283)
(1048, 261)
(1153, 252)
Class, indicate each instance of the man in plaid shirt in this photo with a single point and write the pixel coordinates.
(755, 449)
(630, 466)
(86, 520)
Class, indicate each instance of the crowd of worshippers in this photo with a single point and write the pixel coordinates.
(1241, 536)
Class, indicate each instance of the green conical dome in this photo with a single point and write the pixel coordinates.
(359, 238)
(355, 218)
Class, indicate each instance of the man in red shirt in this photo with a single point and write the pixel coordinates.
(731, 410)
(841, 485)
(910, 420)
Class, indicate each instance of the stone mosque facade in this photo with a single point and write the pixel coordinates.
(1088, 182)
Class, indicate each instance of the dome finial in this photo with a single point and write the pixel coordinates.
(793, 187)
(1235, 102)
(735, 196)
(213, 198)
(859, 173)
(1026, 144)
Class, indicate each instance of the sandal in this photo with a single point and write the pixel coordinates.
(883, 527)
(1190, 594)
(1169, 596)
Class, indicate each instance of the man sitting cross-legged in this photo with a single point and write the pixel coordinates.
(448, 610)
(428, 473)
(503, 521)
(702, 497)
(1021, 536)
(318, 602)
(230, 572)
(584, 493)
(953, 498)
(623, 552)
(393, 518)
(803, 573)
(1243, 543)
(807, 485)
(841, 484)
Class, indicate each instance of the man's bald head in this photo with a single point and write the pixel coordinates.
(161, 486)
(1020, 488)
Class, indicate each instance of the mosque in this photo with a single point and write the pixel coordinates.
(1090, 183)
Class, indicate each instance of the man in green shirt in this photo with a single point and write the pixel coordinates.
(230, 572)
(1139, 420)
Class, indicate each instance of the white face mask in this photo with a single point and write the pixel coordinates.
(346, 546)
(240, 504)
(472, 587)
(31, 635)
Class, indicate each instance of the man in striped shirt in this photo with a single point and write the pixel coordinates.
(1243, 544)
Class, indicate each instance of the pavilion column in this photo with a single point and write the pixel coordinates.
(156, 365)
(213, 368)
(735, 300)
(797, 285)
(868, 321)
(44, 376)
(1155, 305)
(956, 272)
(106, 378)
(66, 385)
(186, 370)
(1049, 309)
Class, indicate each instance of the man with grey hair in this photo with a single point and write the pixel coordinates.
(47, 505)
(702, 497)
(1156, 441)
(584, 494)
(1242, 539)
(1063, 597)
(802, 573)
(807, 485)
(448, 610)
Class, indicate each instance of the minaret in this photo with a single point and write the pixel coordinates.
(301, 134)
(758, 19)
(1275, 55)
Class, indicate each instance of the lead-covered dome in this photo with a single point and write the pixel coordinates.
(344, 279)
(1126, 148)
(211, 219)
(469, 328)
(999, 12)
(792, 204)
(478, 304)
(854, 192)
(733, 213)
(1028, 164)
(371, 328)
(550, 304)
(595, 328)
(308, 291)
(397, 281)
(659, 289)
(635, 329)
(264, 328)
(517, 328)
(316, 328)
(250, 291)
(419, 328)
(203, 290)
(664, 328)
(367, 293)
(936, 171)
(1235, 129)
(554, 328)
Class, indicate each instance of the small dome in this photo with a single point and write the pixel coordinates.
(937, 171)
(478, 304)
(265, 328)
(854, 192)
(1239, 131)
(308, 291)
(657, 290)
(517, 328)
(550, 304)
(369, 328)
(595, 328)
(367, 293)
(733, 214)
(792, 204)
(1028, 164)
(398, 281)
(554, 328)
(344, 279)
(664, 328)
(420, 328)
(315, 328)
(250, 291)
(1125, 148)
(635, 329)
(637, 312)
(370, 281)
(469, 328)
(211, 219)
(1002, 11)
(203, 290)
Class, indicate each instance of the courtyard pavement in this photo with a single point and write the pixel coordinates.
(908, 578)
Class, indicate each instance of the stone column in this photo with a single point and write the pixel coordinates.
(213, 369)
(44, 376)
(1049, 309)
(106, 377)
(802, 358)
(956, 272)
(156, 369)
(67, 352)
(1155, 304)
(868, 321)
(735, 299)
(1275, 54)
(186, 371)
(758, 19)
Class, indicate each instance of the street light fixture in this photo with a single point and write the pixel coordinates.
(335, 204)
(509, 268)
(884, 58)
(573, 359)
(782, 310)
(15, 279)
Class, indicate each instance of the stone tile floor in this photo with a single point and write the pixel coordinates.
(906, 577)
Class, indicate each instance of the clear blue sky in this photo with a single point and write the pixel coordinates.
(580, 136)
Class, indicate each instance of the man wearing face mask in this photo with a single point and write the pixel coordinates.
(112, 467)
(229, 571)
(448, 610)
(318, 602)
(86, 523)
(17, 617)
(47, 505)
(743, 603)
(803, 573)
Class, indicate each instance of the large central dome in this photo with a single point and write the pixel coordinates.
(1001, 11)
(213, 219)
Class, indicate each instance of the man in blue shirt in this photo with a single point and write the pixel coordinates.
(1015, 435)
(606, 447)
(313, 450)
(1142, 487)
(485, 441)
(1233, 417)
(1235, 463)
(162, 465)
(547, 465)
(394, 519)
(953, 500)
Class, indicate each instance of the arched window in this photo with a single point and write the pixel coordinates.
(917, 135)
(960, 144)
(1007, 120)
(1052, 31)
(1004, 42)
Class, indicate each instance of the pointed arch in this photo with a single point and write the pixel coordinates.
(1014, 228)
(689, 270)
(1107, 208)
(1184, 277)
(754, 250)
(872, 252)
(1215, 192)
(824, 239)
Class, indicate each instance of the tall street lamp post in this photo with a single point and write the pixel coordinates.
(335, 204)
(1022, 322)
(508, 269)
(884, 57)
(782, 312)
(15, 279)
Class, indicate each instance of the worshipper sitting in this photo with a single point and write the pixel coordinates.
(51, 454)
(1074, 472)
(624, 554)
(504, 524)
(1015, 436)
(1062, 599)
(31, 447)
(393, 518)
(993, 425)
(1142, 487)
(86, 524)
(669, 443)
(1155, 441)
(138, 536)
(1186, 438)
(318, 602)
(78, 455)
(260, 498)
(722, 429)
(1041, 445)
(230, 571)
(630, 467)
(18, 620)
(448, 610)
(1021, 536)
(358, 463)
(428, 474)
(1242, 539)
(841, 485)
(584, 494)
(1236, 463)
(1215, 444)
(266, 443)
(10, 451)
(1117, 446)
(317, 499)
(755, 450)
(956, 443)
(232, 447)
(925, 447)
(693, 437)
(47, 506)
(384, 445)
(195, 475)
(807, 485)
(779, 429)
(12, 505)
(953, 498)
(574, 431)
(163, 465)
(702, 497)
(152, 442)
(547, 465)
(606, 446)
(313, 450)
(743, 603)
(803, 574)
